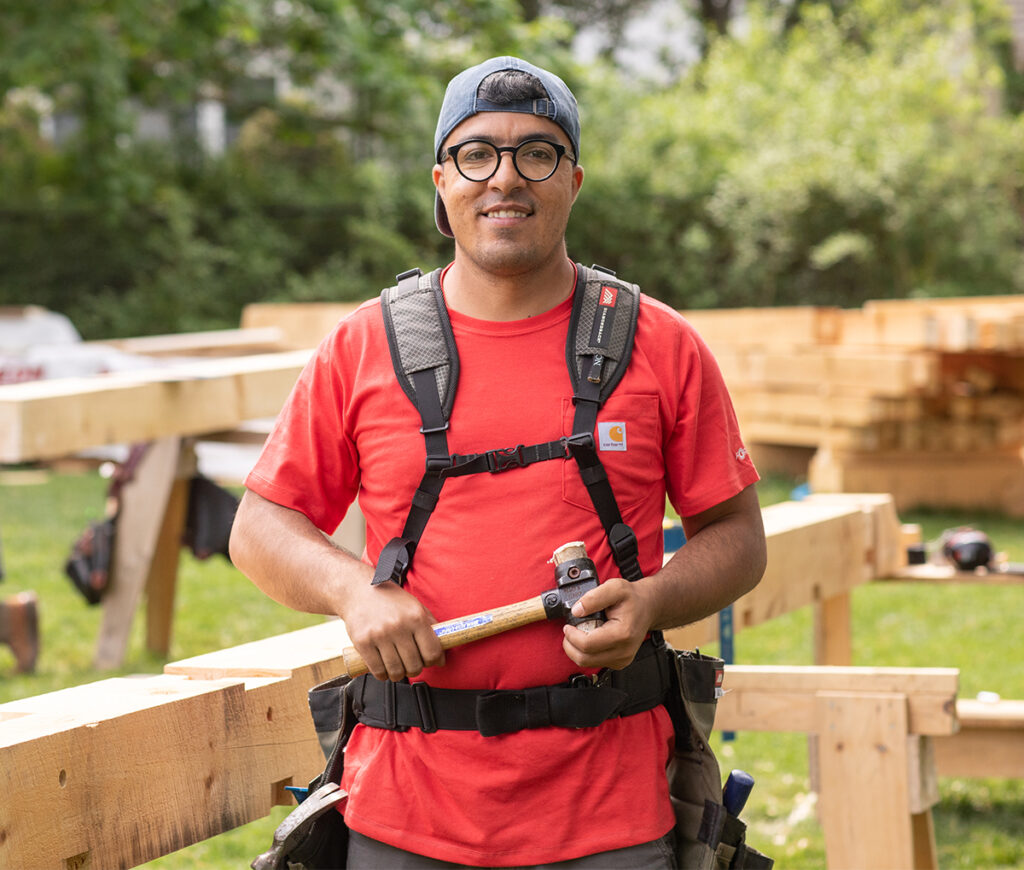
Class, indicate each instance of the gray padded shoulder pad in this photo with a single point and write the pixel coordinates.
(604, 317)
(420, 334)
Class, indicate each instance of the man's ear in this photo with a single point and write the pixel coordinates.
(577, 181)
(438, 176)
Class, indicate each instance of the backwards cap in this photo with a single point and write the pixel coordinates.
(461, 102)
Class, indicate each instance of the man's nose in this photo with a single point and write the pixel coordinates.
(506, 176)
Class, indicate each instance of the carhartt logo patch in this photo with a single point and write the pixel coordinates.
(611, 436)
(608, 296)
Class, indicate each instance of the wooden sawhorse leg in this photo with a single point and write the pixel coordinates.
(146, 549)
(877, 784)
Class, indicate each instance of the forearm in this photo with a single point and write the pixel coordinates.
(291, 560)
(722, 559)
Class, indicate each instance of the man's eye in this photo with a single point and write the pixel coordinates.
(539, 152)
(477, 155)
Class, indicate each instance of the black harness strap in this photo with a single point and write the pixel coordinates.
(422, 385)
(597, 360)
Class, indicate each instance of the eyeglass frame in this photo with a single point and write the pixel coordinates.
(560, 152)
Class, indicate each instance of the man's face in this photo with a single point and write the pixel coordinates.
(507, 225)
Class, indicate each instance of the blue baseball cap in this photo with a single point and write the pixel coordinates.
(461, 102)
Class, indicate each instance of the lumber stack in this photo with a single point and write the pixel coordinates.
(922, 398)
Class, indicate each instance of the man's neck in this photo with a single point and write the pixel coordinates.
(487, 296)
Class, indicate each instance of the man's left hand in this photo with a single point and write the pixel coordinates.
(613, 644)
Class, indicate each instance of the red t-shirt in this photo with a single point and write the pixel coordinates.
(541, 795)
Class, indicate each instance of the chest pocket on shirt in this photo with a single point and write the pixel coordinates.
(629, 440)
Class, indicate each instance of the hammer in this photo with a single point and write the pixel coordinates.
(575, 575)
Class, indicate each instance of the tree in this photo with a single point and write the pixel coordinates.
(814, 168)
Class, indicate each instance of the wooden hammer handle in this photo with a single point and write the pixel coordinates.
(465, 629)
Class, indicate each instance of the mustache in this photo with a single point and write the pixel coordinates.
(524, 203)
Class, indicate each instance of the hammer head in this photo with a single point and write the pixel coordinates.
(575, 575)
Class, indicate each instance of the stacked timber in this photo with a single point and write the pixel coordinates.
(922, 398)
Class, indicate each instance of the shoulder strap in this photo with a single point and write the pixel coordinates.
(598, 349)
(600, 341)
(426, 363)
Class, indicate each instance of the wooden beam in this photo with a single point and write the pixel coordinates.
(118, 772)
(144, 503)
(990, 741)
(809, 560)
(864, 791)
(50, 419)
(951, 479)
(771, 698)
(217, 342)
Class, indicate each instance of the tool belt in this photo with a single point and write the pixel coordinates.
(580, 702)
(314, 835)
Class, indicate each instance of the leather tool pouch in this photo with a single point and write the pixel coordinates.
(314, 835)
(707, 837)
(88, 564)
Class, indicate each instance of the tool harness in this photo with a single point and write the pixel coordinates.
(421, 341)
(600, 340)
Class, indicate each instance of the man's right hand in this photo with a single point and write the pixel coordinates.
(392, 631)
(294, 563)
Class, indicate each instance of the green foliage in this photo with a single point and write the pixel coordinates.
(817, 168)
(826, 152)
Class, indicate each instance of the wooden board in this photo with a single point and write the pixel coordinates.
(990, 741)
(771, 698)
(50, 419)
(119, 772)
(942, 479)
(216, 342)
(302, 325)
(864, 790)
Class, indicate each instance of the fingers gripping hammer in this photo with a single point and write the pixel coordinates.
(575, 575)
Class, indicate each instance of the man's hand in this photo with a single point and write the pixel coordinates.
(391, 631)
(628, 619)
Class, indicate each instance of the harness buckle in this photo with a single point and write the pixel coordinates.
(505, 458)
(583, 440)
(438, 464)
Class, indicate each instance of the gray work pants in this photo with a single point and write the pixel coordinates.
(365, 853)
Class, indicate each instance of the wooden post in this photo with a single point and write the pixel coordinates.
(833, 644)
(143, 507)
(162, 581)
(865, 767)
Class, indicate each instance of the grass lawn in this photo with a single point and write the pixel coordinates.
(978, 823)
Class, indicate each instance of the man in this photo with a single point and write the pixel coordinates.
(506, 176)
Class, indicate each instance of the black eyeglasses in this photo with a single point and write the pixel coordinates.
(534, 159)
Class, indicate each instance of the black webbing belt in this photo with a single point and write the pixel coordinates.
(581, 702)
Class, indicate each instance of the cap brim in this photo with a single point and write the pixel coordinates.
(441, 217)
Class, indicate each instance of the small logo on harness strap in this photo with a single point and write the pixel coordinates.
(611, 436)
(604, 317)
